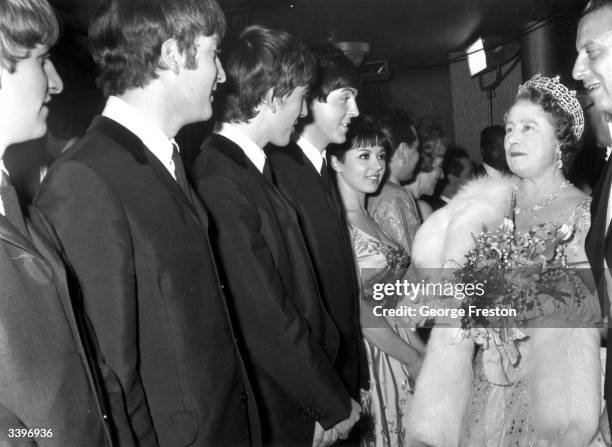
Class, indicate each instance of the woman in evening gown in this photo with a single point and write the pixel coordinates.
(393, 207)
(393, 362)
(540, 384)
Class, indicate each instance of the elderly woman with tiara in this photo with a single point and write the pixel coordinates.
(534, 380)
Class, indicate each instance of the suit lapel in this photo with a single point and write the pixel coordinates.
(272, 193)
(148, 161)
(327, 192)
(237, 155)
(49, 247)
(11, 235)
(602, 211)
(311, 173)
(598, 243)
(199, 207)
(597, 233)
(159, 172)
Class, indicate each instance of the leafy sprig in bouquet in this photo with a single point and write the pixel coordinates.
(520, 271)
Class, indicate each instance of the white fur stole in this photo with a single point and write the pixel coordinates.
(564, 366)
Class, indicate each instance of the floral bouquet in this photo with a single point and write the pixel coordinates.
(522, 274)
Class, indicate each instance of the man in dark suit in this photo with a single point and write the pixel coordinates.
(593, 67)
(492, 152)
(48, 389)
(300, 172)
(136, 235)
(291, 340)
(458, 170)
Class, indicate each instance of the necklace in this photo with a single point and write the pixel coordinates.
(537, 207)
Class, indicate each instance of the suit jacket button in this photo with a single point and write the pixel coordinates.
(324, 346)
(243, 397)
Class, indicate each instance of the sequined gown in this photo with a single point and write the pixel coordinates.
(397, 213)
(385, 406)
(551, 389)
(500, 411)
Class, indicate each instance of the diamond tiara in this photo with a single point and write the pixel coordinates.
(566, 98)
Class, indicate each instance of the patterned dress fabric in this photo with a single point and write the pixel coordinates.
(398, 215)
(500, 411)
(385, 406)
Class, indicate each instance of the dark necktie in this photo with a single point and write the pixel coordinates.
(12, 209)
(325, 175)
(267, 172)
(179, 172)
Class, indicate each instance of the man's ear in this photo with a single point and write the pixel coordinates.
(269, 100)
(402, 150)
(171, 57)
(335, 164)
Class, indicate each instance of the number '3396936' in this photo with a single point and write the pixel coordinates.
(30, 433)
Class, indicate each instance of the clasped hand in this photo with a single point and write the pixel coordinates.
(324, 438)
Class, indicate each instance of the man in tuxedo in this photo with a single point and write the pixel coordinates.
(593, 67)
(300, 172)
(291, 340)
(49, 392)
(137, 236)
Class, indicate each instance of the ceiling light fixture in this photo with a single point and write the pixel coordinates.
(355, 51)
(488, 55)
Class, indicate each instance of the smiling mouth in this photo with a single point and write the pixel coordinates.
(591, 87)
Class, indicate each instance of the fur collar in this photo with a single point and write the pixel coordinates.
(446, 236)
(564, 369)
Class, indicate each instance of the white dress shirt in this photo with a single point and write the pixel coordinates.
(2, 172)
(152, 136)
(607, 274)
(248, 146)
(609, 208)
(315, 156)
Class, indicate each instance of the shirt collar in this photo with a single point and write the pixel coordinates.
(315, 156)
(151, 136)
(3, 170)
(3, 175)
(609, 148)
(248, 146)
